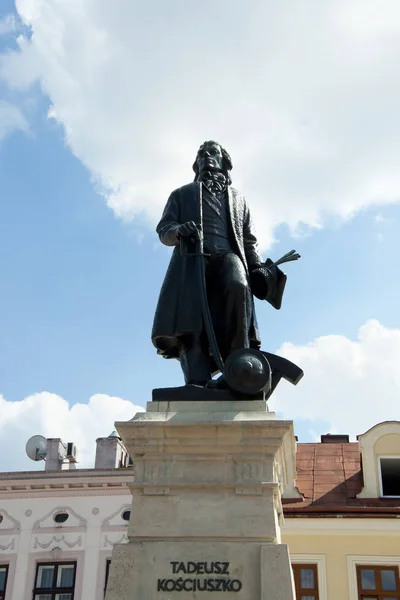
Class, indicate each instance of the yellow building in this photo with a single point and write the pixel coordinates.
(344, 534)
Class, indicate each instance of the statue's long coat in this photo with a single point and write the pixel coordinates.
(178, 312)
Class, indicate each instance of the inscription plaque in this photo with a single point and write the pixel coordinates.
(219, 580)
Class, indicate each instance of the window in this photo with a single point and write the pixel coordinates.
(306, 581)
(108, 563)
(61, 517)
(55, 581)
(390, 476)
(3, 580)
(378, 583)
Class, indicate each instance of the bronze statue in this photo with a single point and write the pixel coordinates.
(206, 309)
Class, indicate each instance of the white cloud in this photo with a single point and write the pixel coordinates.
(9, 24)
(352, 384)
(51, 416)
(11, 119)
(305, 97)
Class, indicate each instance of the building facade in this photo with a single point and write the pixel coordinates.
(346, 527)
(58, 526)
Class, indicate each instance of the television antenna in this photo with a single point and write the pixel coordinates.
(36, 447)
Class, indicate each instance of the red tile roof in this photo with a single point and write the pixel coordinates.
(329, 477)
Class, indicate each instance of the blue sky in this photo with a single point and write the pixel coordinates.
(83, 186)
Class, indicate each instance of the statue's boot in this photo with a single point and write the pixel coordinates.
(195, 363)
(217, 384)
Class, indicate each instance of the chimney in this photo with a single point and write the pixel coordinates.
(110, 452)
(55, 454)
(340, 438)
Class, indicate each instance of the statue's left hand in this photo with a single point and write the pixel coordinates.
(263, 281)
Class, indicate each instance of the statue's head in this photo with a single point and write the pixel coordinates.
(211, 156)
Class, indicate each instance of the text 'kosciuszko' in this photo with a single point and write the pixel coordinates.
(199, 584)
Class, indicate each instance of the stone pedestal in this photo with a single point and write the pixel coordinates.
(206, 507)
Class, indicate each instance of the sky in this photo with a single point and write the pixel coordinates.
(102, 108)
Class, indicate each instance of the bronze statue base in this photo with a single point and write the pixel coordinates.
(197, 393)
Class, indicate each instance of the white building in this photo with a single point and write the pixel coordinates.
(58, 526)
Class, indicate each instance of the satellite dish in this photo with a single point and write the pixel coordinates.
(36, 447)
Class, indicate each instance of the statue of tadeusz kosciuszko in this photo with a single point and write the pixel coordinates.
(209, 221)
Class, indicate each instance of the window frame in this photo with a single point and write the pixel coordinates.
(378, 593)
(54, 590)
(315, 591)
(320, 561)
(381, 494)
(3, 593)
(353, 560)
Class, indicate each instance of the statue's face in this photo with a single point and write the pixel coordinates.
(210, 158)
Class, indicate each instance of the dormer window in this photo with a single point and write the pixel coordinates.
(380, 459)
(389, 476)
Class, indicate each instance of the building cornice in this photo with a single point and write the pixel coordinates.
(82, 482)
(336, 526)
(345, 511)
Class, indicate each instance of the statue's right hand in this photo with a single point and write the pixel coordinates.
(188, 229)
